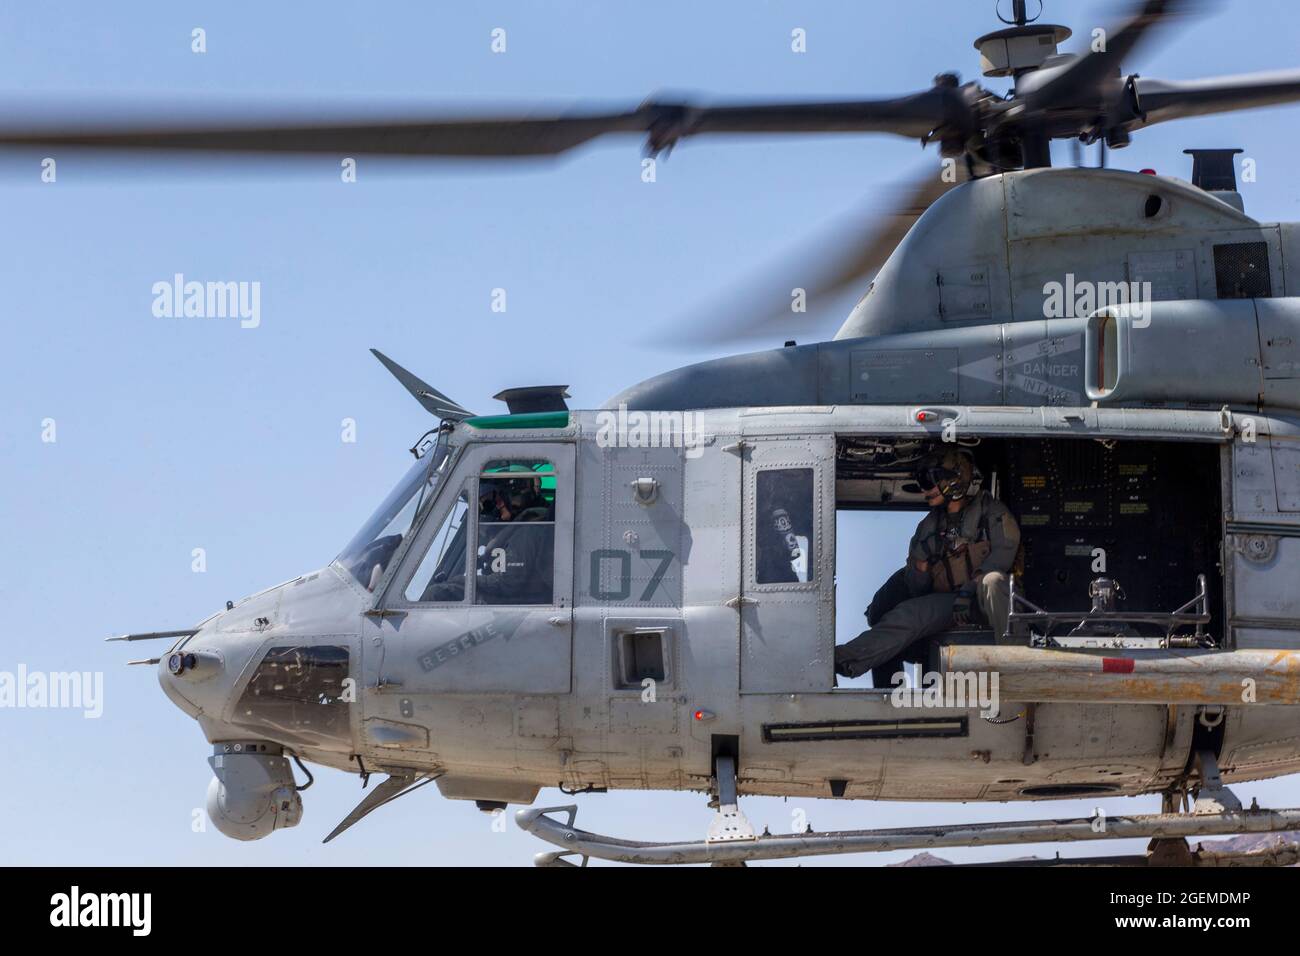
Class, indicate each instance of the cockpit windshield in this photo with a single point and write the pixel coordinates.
(367, 555)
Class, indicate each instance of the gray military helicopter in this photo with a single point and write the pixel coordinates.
(587, 598)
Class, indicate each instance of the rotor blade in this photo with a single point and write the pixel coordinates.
(914, 115)
(1083, 81)
(1162, 100)
(504, 136)
(849, 252)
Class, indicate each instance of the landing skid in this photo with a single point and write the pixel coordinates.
(1168, 831)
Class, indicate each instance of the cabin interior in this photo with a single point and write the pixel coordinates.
(1153, 508)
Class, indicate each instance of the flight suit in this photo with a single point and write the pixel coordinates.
(527, 550)
(928, 612)
(525, 546)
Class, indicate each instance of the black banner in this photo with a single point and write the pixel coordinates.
(924, 904)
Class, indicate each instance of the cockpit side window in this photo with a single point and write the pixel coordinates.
(440, 576)
(515, 550)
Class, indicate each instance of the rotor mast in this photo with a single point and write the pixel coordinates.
(1020, 49)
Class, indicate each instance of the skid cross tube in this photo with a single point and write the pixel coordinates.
(535, 820)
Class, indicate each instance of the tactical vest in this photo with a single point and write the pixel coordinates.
(952, 569)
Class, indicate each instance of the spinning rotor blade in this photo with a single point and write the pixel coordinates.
(1085, 96)
(914, 115)
(865, 240)
(1161, 100)
(505, 136)
(1083, 82)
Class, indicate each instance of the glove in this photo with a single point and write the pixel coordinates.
(963, 609)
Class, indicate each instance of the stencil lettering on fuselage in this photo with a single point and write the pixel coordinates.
(435, 657)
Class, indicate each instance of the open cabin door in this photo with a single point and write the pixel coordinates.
(482, 602)
(787, 606)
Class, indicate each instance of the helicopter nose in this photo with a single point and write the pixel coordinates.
(204, 673)
(199, 674)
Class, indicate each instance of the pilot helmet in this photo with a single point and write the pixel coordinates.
(951, 471)
(520, 490)
(519, 485)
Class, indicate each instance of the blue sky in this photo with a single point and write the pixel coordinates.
(174, 435)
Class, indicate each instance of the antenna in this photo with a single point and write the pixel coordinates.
(1019, 15)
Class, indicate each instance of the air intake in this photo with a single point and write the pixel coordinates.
(535, 398)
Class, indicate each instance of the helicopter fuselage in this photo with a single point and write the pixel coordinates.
(663, 646)
(1163, 432)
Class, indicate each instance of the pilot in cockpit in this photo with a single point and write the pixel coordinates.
(515, 549)
(517, 541)
(513, 499)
